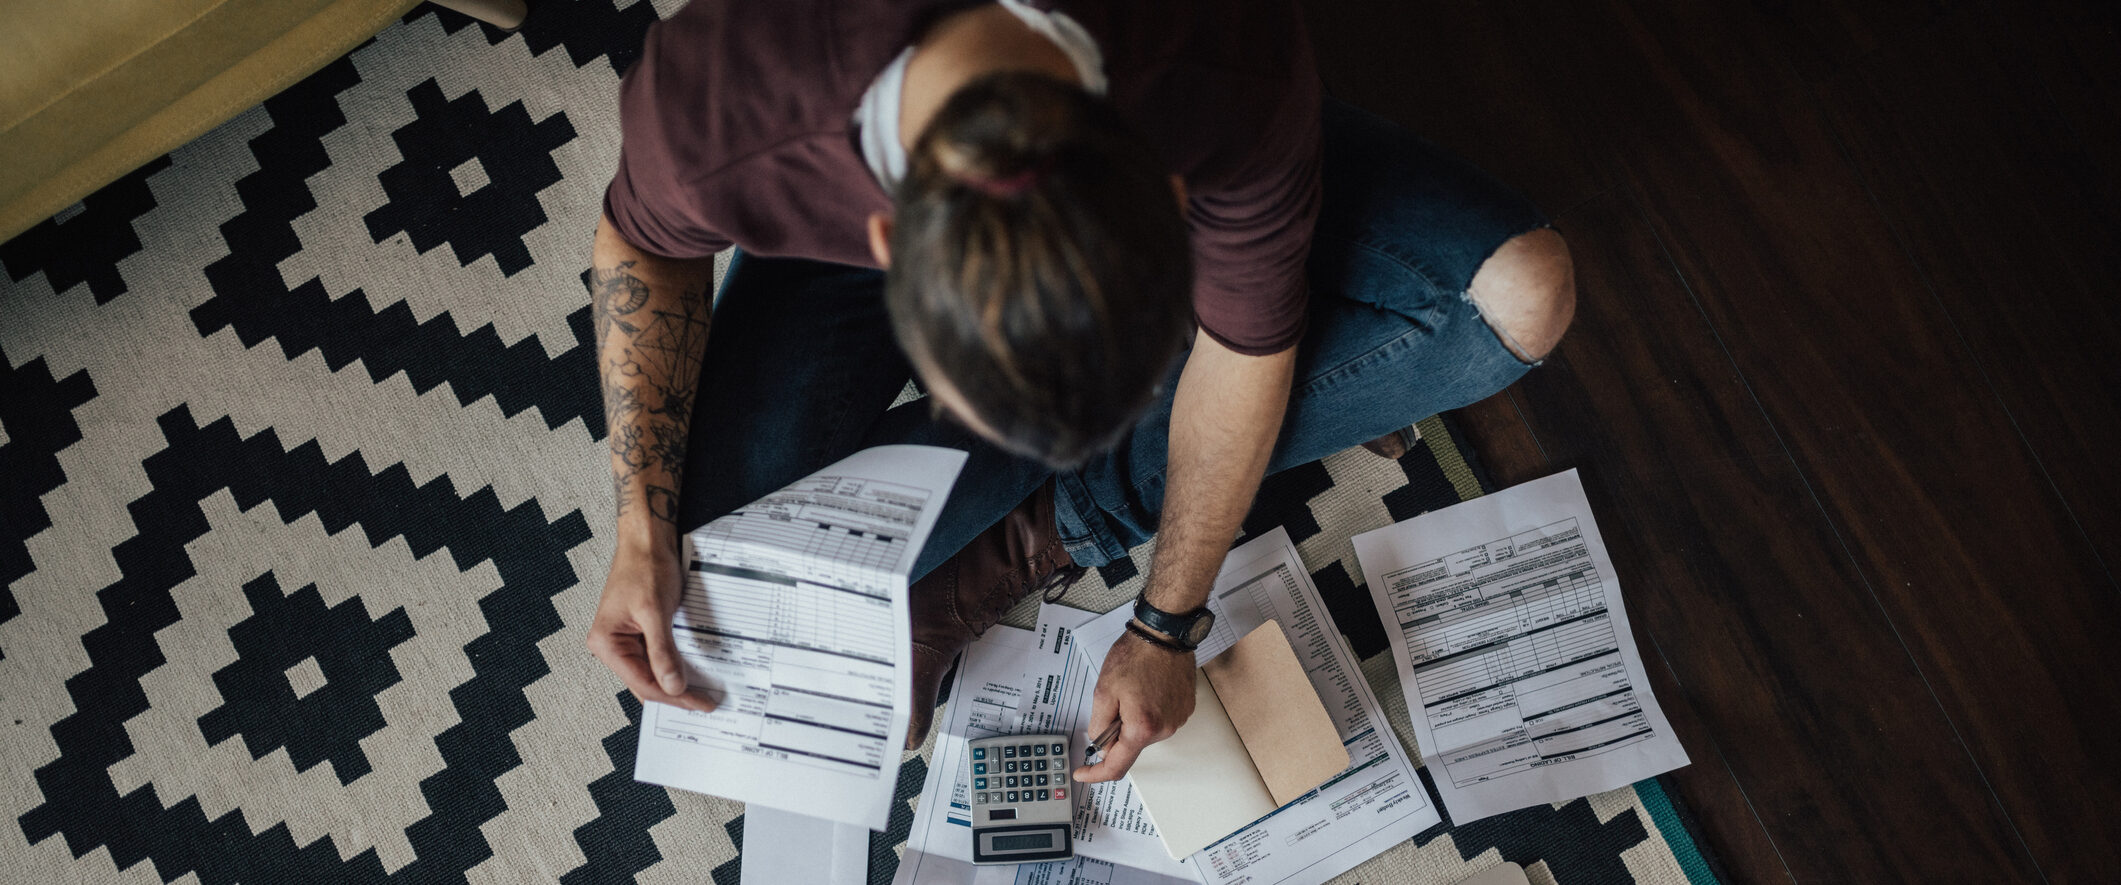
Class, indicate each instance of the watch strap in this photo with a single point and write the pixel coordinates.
(1176, 626)
(1156, 640)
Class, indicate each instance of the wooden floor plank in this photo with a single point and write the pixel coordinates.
(2072, 65)
(2083, 79)
(1503, 441)
(1984, 184)
(1823, 721)
(1982, 175)
(1453, 72)
(1818, 38)
(1929, 487)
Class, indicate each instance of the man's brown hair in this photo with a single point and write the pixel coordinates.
(1039, 264)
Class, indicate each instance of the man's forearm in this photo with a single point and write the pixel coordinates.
(652, 315)
(1225, 418)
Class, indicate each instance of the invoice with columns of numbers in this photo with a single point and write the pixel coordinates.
(1505, 620)
(794, 620)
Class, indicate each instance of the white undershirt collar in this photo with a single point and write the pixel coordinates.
(877, 116)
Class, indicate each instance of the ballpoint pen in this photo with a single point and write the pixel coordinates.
(1090, 751)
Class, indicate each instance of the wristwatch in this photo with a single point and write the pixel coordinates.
(1186, 630)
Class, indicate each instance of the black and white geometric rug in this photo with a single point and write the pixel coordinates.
(305, 508)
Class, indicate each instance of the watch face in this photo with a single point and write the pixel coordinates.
(1198, 633)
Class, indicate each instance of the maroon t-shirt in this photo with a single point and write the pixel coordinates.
(738, 129)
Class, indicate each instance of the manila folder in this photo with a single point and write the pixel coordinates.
(1277, 713)
(1258, 739)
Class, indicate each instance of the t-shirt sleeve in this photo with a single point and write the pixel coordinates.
(660, 227)
(649, 201)
(1252, 221)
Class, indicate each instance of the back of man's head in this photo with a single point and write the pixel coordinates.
(1039, 265)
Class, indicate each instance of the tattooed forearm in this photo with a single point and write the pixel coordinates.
(651, 343)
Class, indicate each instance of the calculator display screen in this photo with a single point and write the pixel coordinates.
(1019, 843)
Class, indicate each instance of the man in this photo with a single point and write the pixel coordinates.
(1028, 208)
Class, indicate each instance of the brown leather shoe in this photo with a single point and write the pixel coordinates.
(968, 593)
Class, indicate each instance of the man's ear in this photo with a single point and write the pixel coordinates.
(880, 238)
(1178, 188)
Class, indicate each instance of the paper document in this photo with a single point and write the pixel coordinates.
(1378, 802)
(924, 869)
(1514, 652)
(794, 620)
(780, 847)
(1011, 681)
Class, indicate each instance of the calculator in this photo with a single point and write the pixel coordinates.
(1020, 805)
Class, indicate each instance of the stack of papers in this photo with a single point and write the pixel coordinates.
(1017, 681)
(1504, 617)
(794, 620)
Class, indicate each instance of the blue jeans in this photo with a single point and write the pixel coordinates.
(801, 367)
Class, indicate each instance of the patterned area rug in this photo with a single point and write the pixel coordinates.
(305, 509)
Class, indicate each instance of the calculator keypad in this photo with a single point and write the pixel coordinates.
(1023, 780)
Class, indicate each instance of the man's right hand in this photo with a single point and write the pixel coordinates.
(631, 631)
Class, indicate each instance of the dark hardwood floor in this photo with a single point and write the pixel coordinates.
(1844, 387)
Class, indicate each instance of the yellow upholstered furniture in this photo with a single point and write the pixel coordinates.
(91, 89)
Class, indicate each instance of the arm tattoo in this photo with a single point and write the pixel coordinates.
(651, 373)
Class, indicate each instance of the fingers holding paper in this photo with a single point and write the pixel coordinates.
(631, 630)
(1149, 691)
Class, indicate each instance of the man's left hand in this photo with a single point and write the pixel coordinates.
(1150, 690)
